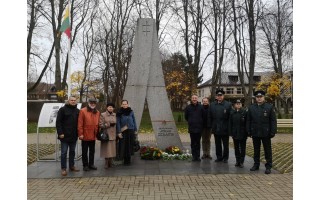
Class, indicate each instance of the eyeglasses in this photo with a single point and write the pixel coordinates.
(93, 102)
(259, 96)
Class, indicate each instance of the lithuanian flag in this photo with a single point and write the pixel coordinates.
(65, 27)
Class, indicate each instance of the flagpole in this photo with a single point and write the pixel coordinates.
(69, 56)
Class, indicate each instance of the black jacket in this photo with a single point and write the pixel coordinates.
(237, 124)
(67, 123)
(261, 120)
(194, 115)
(218, 117)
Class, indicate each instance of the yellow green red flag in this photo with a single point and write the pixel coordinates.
(65, 26)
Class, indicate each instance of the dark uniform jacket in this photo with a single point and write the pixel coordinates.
(194, 115)
(218, 117)
(67, 123)
(261, 120)
(237, 124)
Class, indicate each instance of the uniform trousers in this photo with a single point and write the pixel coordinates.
(266, 142)
(219, 140)
(240, 149)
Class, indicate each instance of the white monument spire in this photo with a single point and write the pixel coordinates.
(146, 81)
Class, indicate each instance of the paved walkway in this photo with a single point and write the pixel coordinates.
(157, 179)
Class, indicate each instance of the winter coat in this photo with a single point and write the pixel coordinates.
(67, 123)
(261, 120)
(205, 113)
(194, 115)
(88, 123)
(105, 119)
(126, 117)
(237, 124)
(218, 117)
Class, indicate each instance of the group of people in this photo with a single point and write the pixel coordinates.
(224, 119)
(85, 123)
(220, 118)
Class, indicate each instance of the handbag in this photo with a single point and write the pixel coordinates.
(136, 146)
(103, 135)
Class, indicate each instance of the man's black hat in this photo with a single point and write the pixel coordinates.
(220, 91)
(237, 101)
(259, 93)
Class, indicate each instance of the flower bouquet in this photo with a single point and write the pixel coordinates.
(173, 150)
(150, 153)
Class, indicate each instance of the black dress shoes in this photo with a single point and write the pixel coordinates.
(93, 167)
(254, 168)
(196, 159)
(237, 164)
(86, 168)
(268, 171)
(218, 160)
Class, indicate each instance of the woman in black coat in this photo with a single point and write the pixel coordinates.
(237, 129)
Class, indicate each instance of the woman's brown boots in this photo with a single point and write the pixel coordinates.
(108, 163)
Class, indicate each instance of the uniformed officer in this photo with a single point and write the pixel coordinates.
(218, 119)
(237, 129)
(262, 126)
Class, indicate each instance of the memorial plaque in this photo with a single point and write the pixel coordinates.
(146, 81)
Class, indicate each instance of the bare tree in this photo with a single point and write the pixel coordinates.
(37, 10)
(238, 23)
(252, 9)
(192, 16)
(277, 27)
(33, 14)
(276, 24)
(217, 30)
(87, 48)
(115, 38)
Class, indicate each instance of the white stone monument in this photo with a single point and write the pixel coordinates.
(145, 81)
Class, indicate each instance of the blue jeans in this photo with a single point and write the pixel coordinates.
(72, 152)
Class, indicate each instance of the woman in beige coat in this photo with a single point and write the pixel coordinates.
(108, 122)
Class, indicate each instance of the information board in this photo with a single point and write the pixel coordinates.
(49, 112)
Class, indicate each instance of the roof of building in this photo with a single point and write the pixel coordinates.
(225, 80)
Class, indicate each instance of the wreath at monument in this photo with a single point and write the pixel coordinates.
(150, 153)
(170, 153)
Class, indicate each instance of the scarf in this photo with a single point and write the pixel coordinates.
(124, 111)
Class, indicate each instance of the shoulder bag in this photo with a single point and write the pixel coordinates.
(103, 135)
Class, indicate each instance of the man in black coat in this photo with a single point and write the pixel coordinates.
(218, 119)
(66, 125)
(194, 115)
(262, 126)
